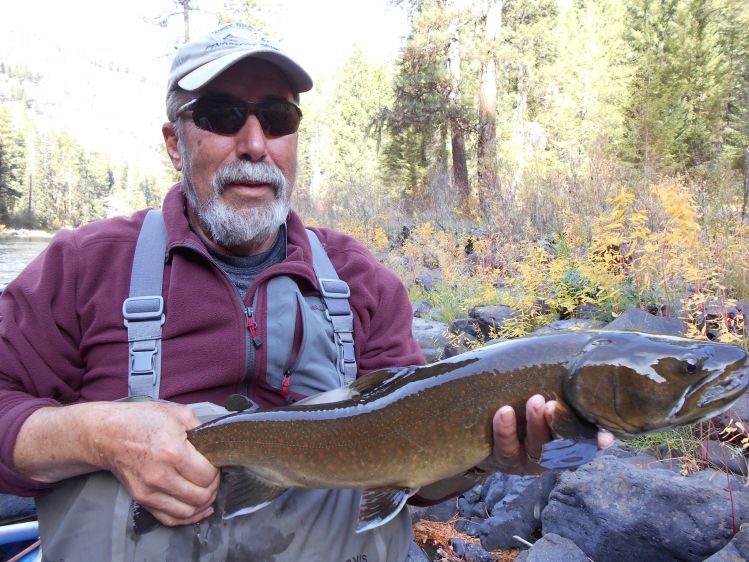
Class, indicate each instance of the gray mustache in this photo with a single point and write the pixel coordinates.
(249, 172)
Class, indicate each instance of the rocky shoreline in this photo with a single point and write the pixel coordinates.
(23, 233)
(623, 505)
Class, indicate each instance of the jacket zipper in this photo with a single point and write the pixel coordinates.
(251, 334)
(254, 341)
(252, 327)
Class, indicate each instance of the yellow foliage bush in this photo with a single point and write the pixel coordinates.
(651, 246)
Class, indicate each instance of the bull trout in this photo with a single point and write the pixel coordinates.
(396, 430)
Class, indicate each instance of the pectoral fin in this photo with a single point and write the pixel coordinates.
(142, 520)
(577, 441)
(245, 492)
(380, 505)
(562, 454)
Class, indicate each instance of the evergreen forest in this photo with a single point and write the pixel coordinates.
(565, 150)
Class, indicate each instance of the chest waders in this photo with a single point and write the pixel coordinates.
(88, 517)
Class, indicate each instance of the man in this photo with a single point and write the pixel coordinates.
(232, 128)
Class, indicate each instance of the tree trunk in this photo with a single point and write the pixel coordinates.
(460, 167)
(186, 17)
(746, 184)
(487, 142)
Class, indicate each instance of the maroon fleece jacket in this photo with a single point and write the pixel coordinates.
(63, 341)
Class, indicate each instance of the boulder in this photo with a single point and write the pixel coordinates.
(641, 321)
(570, 324)
(724, 456)
(721, 478)
(735, 551)
(432, 337)
(514, 504)
(475, 553)
(426, 310)
(489, 319)
(616, 511)
(441, 512)
(553, 548)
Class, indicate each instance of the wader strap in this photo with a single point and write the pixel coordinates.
(335, 294)
(144, 309)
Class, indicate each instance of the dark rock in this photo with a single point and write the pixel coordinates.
(570, 324)
(489, 319)
(722, 479)
(553, 548)
(416, 554)
(493, 489)
(468, 527)
(614, 511)
(426, 281)
(441, 512)
(738, 412)
(468, 509)
(641, 321)
(474, 553)
(716, 315)
(724, 456)
(422, 309)
(640, 459)
(517, 509)
(432, 337)
(588, 311)
(474, 494)
(458, 546)
(468, 337)
(619, 451)
(467, 327)
(735, 551)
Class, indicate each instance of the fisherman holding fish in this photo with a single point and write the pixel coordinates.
(244, 313)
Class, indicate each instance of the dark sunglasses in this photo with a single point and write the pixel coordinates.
(226, 115)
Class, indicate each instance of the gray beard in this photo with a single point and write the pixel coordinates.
(230, 227)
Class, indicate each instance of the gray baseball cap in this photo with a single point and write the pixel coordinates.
(198, 62)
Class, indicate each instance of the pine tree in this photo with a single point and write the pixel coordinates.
(12, 164)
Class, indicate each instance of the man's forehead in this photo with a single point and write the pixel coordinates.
(252, 77)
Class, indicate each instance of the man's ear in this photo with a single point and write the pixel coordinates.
(172, 145)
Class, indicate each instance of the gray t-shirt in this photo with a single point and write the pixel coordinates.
(242, 270)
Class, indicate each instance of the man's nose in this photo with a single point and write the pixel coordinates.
(251, 141)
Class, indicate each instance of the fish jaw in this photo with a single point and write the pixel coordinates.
(711, 399)
(632, 383)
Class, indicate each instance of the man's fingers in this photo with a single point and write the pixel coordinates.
(605, 439)
(538, 431)
(196, 469)
(187, 492)
(506, 442)
(174, 515)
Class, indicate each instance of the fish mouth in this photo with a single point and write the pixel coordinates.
(725, 390)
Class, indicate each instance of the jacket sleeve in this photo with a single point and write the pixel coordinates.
(40, 363)
(383, 315)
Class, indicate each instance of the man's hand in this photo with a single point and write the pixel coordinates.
(144, 444)
(153, 459)
(521, 458)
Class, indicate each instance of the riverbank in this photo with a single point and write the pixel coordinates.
(25, 234)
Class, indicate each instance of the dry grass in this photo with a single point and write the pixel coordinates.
(439, 534)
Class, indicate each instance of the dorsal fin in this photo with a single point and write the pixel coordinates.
(372, 382)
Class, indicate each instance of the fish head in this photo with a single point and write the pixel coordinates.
(633, 383)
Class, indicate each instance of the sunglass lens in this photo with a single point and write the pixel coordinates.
(220, 116)
(227, 116)
(279, 118)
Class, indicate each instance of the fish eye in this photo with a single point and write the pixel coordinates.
(691, 364)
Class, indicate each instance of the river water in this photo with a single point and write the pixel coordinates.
(16, 253)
